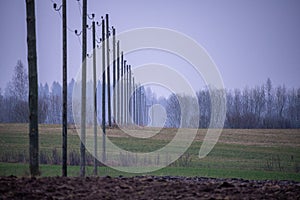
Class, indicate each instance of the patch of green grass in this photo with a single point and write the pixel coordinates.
(19, 169)
(227, 159)
(139, 144)
(227, 156)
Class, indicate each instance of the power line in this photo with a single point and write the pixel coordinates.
(79, 7)
(79, 41)
(68, 28)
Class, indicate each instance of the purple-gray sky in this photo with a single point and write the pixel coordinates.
(248, 40)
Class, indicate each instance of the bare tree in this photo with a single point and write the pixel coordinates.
(70, 109)
(247, 117)
(55, 104)
(237, 108)
(280, 100)
(292, 109)
(43, 103)
(259, 102)
(17, 92)
(269, 97)
(189, 118)
(204, 108)
(173, 112)
(20, 82)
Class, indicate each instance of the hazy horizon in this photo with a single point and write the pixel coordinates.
(249, 41)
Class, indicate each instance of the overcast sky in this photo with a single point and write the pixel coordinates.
(248, 40)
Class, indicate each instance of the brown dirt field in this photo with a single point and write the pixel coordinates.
(145, 187)
(257, 137)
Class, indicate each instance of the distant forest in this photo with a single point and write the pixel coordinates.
(264, 106)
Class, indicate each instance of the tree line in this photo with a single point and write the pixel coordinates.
(14, 101)
(263, 106)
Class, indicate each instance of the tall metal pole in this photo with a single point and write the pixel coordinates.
(125, 92)
(152, 114)
(133, 102)
(130, 97)
(118, 81)
(122, 89)
(83, 91)
(142, 114)
(103, 92)
(95, 99)
(144, 108)
(137, 105)
(108, 72)
(114, 74)
(65, 87)
(140, 106)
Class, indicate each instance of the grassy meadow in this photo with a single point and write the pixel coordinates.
(239, 153)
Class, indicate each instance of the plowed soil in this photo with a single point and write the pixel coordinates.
(145, 187)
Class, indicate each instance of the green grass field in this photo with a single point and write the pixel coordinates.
(249, 154)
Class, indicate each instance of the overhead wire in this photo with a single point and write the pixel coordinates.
(79, 7)
(98, 39)
(68, 28)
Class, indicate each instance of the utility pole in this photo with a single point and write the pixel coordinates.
(133, 102)
(122, 89)
(152, 114)
(114, 73)
(130, 99)
(138, 105)
(141, 106)
(65, 91)
(95, 98)
(125, 93)
(144, 108)
(33, 89)
(103, 92)
(108, 72)
(118, 81)
(83, 91)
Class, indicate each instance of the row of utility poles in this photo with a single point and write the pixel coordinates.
(126, 91)
(127, 99)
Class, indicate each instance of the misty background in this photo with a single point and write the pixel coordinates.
(255, 45)
(264, 106)
(249, 41)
